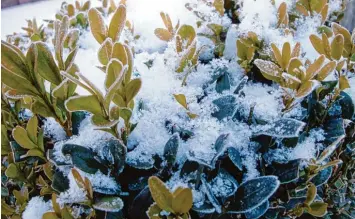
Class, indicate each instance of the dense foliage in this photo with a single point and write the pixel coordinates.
(62, 178)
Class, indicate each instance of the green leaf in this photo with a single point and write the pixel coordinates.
(45, 64)
(117, 23)
(160, 193)
(97, 25)
(132, 89)
(318, 209)
(84, 103)
(182, 201)
(108, 204)
(31, 128)
(21, 137)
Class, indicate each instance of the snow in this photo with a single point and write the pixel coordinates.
(36, 207)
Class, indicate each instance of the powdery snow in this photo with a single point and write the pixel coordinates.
(36, 207)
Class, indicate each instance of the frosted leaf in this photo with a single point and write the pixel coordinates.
(208, 191)
(257, 212)
(223, 185)
(284, 128)
(108, 204)
(241, 85)
(322, 177)
(253, 193)
(234, 156)
(287, 172)
(205, 208)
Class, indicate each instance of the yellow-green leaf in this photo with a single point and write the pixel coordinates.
(317, 43)
(219, 6)
(160, 193)
(311, 194)
(88, 103)
(21, 137)
(326, 70)
(45, 64)
(306, 88)
(180, 98)
(343, 82)
(337, 47)
(318, 209)
(12, 171)
(132, 89)
(314, 68)
(31, 128)
(117, 23)
(163, 34)
(113, 71)
(182, 201)
(97, 25)
(269, 70)
(154, 211)
(187, 32)
(286, 55)
(105, 51)
(13, 59)
(326, 46)
(277, 54)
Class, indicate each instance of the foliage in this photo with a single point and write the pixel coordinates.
(41, 81)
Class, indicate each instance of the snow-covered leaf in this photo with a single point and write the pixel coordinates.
(241, 84)
(253, 193)
(284, 128)
(108, 204)
(223, 83)
(171, 148)
(83, 158)
(226, 106)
